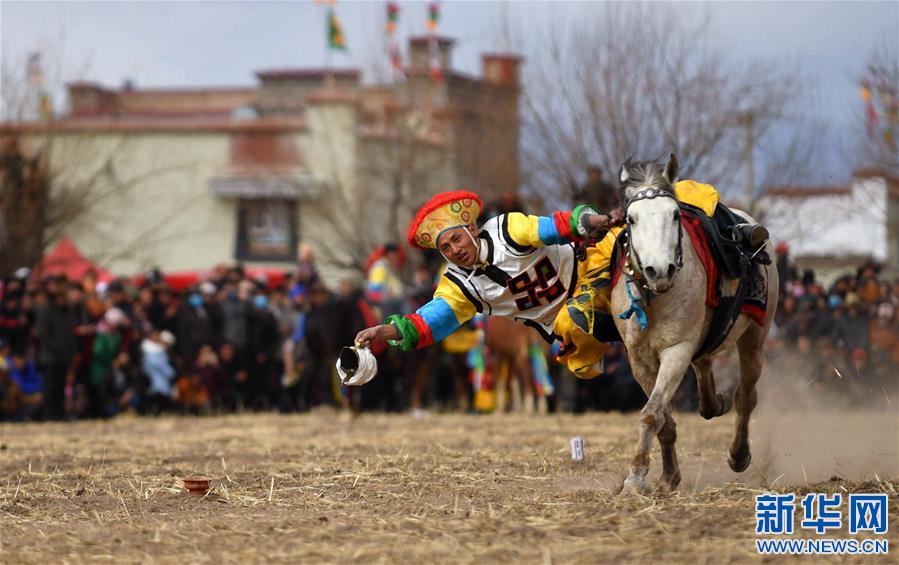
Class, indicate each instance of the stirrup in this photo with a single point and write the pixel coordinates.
(751, 235)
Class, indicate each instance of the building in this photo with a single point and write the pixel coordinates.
(189, 178)
(833, 229)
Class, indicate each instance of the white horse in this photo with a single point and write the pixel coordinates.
(679, 322)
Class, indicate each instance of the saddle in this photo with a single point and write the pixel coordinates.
(736, 283)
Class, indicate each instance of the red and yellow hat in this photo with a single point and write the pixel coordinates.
(442, 212)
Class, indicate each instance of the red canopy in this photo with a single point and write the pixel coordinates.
(66, 259)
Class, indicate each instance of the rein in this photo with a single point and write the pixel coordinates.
(641, 293)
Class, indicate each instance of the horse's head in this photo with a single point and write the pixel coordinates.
(653, 220)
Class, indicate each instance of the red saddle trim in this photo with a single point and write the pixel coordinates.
(693, 227)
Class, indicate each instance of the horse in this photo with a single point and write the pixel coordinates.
(678, 324)
(508, 343)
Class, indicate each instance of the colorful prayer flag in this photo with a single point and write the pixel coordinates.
(434, 56)
(393, 17)
(46, 106)
(33, 70)
(433, 16)
(872, 116)
(866, 94)
(336, 39)
(396, 63)
(433, 42)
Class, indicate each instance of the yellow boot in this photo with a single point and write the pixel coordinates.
(581, 351)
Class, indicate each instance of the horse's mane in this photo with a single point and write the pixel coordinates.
(643, 174)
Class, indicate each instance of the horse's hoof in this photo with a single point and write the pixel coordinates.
(632, 487)
(669, 484)
(740, 465)
(726, 402)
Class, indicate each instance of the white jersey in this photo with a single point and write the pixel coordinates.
(528, 284)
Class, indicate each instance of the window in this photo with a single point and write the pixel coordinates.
(266, 230)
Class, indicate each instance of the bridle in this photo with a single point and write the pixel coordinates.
(636, 266)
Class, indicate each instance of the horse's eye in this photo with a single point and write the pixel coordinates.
(630, 220)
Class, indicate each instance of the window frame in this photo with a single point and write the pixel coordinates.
(242, 248)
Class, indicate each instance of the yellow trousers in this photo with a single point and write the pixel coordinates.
(582, 352)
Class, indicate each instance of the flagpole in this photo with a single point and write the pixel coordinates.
(393, 52)
(329, 56)
(329, 70)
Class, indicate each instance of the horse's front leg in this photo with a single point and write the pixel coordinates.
(711, 402)
(673, 364)
(667, 438)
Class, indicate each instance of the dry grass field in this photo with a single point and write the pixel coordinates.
(389, 488)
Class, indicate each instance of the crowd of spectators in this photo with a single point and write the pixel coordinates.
(81, 348)
(843, 336)
(84, 349)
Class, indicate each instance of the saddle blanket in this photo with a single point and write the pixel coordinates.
(717, 286)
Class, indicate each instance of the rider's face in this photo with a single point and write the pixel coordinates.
(459, 247)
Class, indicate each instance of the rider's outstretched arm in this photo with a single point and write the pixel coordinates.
(560, 228)
(441, 316)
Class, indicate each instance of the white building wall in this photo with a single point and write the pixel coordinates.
(330, 149)
(152, 205)
(853, 224)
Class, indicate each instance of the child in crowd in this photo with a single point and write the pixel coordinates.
(24, 374)
(11, 401)
(191, 394)
(158, 369)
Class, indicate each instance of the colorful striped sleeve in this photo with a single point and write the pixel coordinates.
(434, 321)
(535, 231)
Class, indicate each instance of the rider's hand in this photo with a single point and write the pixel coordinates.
(599, 222)
(616, 217)
(370, 335)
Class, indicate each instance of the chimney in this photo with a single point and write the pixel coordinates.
(90, 99)
(420, 55)
(284, 92)
(500, 70)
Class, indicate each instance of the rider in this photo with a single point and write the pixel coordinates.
(522, 267)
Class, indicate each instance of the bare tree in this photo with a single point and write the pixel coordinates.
(642, 80)
(50, 187)
(54, 179)
(24, 190)
(15, 98)
(38, 200)
(400, 159)
(23, 83)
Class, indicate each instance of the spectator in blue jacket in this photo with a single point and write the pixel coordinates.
(25, 374)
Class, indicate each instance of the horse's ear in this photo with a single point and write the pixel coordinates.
(623, 175)
(671, 169)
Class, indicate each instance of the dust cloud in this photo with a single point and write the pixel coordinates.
(811, 431)
(806, 430)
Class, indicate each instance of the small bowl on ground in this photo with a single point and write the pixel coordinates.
(196, 486)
